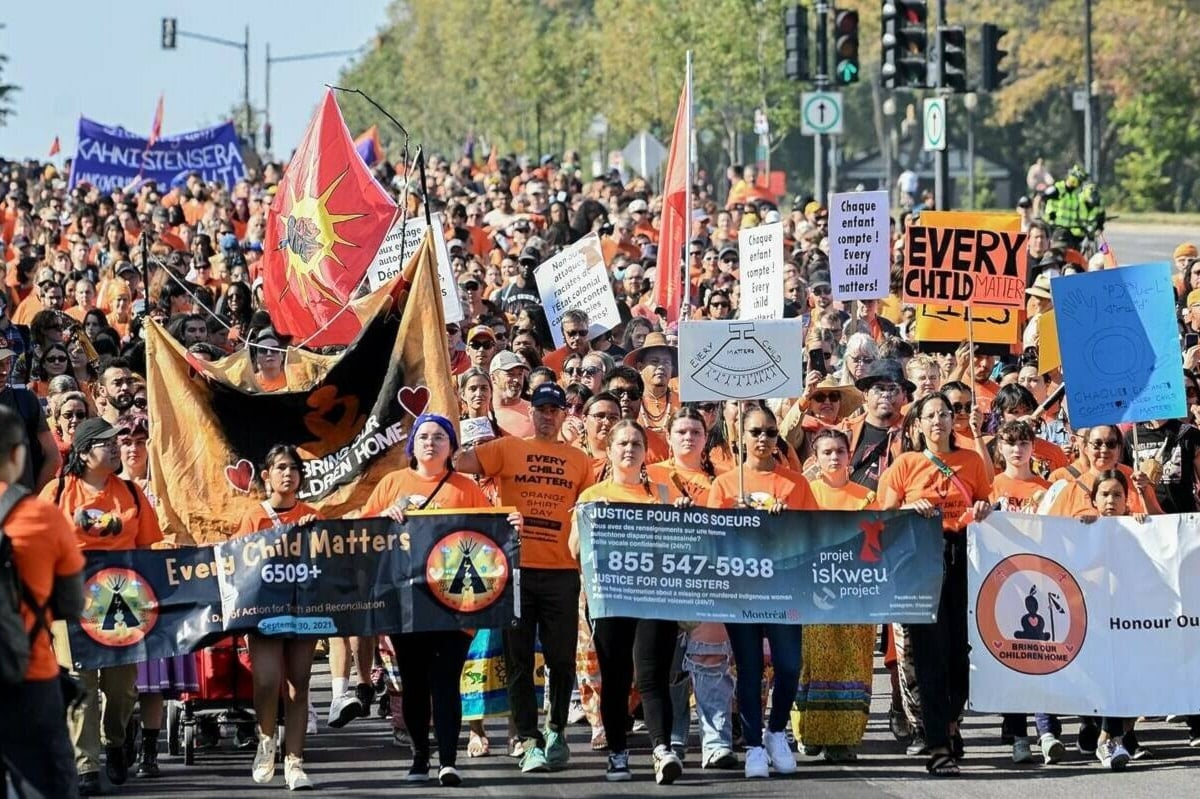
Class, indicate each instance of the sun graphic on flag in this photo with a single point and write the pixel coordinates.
(311, 234)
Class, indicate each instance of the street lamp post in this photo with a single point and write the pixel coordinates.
(971, 102)
(169, 26)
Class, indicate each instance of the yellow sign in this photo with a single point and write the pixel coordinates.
(1049, 357)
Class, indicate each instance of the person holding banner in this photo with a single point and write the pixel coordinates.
(108, 513)
(626, 647)
(934, 475)
(1071, 488)
(276, 660)
(834, 698)
(430, 662)
(770, 487)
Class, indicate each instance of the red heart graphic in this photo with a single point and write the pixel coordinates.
(413, 400)
(1069, 648)
(240, 475)
(997, 644)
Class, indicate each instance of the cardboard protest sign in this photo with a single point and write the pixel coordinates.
(1049, 355)
(859, 233)
(720, 360)
(402, 240)
(1120, 345)
(942, 328)
(578, 278)
(760, 256)
(965, 266)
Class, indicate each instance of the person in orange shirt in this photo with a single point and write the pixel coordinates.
(935, 476)
(655, 360)
(768, 487)
(689, 469)
(274, 660)
(108, 514)
(1070, 494)
(839, 655)
(722, 444)
(269, 357)
(542, 478)
(85, 300)
(430, 663)
(47, 559)
(1014, 401)
(627, 386)
(1016, 489)
(601, 412)
(625, 646)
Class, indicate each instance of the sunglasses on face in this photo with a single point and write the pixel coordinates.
(718, 305)
(73, 415)
(769, 432)
(1108, 443)
(56, 359)
(826, 396)
(481, 345)
(960, 407)
(627, 393)
(470, 286)
(452, 330)
(707, 407)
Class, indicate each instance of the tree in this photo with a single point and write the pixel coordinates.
(7, 90)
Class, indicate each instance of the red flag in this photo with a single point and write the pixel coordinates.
(55, 147)
(674, 231)
(156, 125)
(324, 227)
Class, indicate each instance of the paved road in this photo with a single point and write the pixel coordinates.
(1142, 243)
(361, 761)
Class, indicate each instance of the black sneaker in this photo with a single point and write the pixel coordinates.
(89, 784)
(419, 771)
(114, 764)
(365, 693)
(1086, 740)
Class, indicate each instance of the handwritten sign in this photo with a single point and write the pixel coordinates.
(965, 266)
(760, 254)
(402, 240)
(859, 235)
(578, 278)
(942, 328)
(1120, 345)
(720, 360)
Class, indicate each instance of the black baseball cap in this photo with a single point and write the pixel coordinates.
(549, 394)
(90, 431)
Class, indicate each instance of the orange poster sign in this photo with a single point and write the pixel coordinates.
(965, 266)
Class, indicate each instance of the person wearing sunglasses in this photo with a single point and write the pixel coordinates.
(934, 475)
(968, 422)
(626, 384)
(769, 487)
(820, 290)
(53, 361)
(481, 347)
(825, 404)
(68, 411)
(719, 306)
(1070, 487)
(470, 292)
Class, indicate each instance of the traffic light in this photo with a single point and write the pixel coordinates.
(905, 44)
(845, 26)
(952, 59)
(168, 33)
(993, 75)
(795, 43)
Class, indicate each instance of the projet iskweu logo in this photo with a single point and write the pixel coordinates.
(836, 579)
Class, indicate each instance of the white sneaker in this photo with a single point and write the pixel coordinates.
(667, 766)
(783, 759)
(263, 770)
(294, 776)
(1053, 749)
(311, 728)
(1021, 753)
(758, 765)
(1112, 755)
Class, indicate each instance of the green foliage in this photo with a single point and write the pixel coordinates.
(7, 91)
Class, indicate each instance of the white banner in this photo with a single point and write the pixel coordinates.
(859, 245)
(760, 265)
(760, 359)
(578, 278)
(1084, 619)
(387, 264)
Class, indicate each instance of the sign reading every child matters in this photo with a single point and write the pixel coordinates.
(961, 266)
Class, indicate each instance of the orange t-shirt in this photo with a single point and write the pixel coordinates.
(30, 307)
(459, 491)
(543, 481)
(695, 483)
(259, 519)
(44, 547)
(514, 419)
(108, 519)
(1016, 495)
(1075, 497)
(851, 496)
(763, 489)
(654, 494)
(278, 384)
(912, 476)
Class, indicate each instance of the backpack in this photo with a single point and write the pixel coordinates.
(16, 644)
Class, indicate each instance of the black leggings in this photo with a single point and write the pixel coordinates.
(940, 650)
(430, 667)
(625, 647)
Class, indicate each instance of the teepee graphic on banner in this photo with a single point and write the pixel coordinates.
(467, 577)
(742, 367)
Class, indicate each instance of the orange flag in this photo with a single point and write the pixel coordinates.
(156, 125)
(673, 235)
(55, 147)
(323, 229)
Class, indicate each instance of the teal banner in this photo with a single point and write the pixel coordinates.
(747, 566)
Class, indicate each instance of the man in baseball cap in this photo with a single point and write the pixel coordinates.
(509, 371)
(481, 346)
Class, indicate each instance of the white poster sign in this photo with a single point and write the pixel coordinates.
(760, 359)
(859, 237)
(1062, 614)
(406, 237)
(760, 260)
(578, 278)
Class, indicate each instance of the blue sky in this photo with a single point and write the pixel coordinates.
(104, 60)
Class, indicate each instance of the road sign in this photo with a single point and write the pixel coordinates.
(935, 124)
(820, 112)
(1079, 99)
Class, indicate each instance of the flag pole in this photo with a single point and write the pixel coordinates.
(685, 294)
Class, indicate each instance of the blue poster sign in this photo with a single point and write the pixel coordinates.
(111, 157)
(1119, 340)
(795, 567)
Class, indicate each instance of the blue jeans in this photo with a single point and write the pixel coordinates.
(713, 684)
(746, 640)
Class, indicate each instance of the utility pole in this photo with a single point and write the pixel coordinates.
(284, 59)
(246, 89)
(821, 80)
(170, 30)
(941, 158)
(1089, 110)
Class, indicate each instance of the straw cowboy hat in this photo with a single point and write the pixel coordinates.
(654, 341)
(850, 397)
